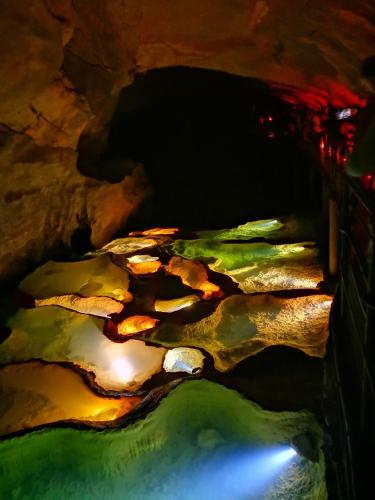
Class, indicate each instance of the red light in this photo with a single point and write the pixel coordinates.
(368, 181)
(270, 119)
(338, 157)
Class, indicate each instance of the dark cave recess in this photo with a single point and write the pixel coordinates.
(210, 159)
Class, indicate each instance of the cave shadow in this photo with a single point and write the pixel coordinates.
(209, 162)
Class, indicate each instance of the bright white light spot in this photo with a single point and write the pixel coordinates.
(136, 259)
(283, 456)
(121, 369)
(183, 359)
(344, 113)
(270, 223)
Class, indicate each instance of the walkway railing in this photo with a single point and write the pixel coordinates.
(352, 239)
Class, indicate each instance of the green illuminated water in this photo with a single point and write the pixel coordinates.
(229, 256)
(201, 441)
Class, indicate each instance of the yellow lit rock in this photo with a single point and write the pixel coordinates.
(141, 258)
(258, 267)
(143, 264)
(244, 325)
(193, 274)
(247, 231)
(183, 359)
(173, 305)
(57, 335)
(96, 306)
(136, 324)
(157, 231)
(144, 267)
(125, 246)
(288, 274)
(33, 394)
(92, 277)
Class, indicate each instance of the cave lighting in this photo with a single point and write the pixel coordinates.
(288, 228)
(194, 275)
(343, 114)
(265, 228)
(256, 267)
(183, 359)
(322, 145)
(229, 256)
(286, 454)
(127, 246)
(96, 306)
(173, 305)
(136, 324)
(139, 259)
(368, 182)
(144, 267)
(122, 368)
(57, 335)
(157, 231)
(204, 440)
(143, 264)
(210, 290)
(251, 472)
(35, 393)
(306, 446)
(91, 277)
(243, 325)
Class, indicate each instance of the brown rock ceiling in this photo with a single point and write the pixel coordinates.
(63, 63)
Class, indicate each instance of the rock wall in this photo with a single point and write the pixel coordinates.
(64, 62)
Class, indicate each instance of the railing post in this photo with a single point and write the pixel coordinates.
(333, 237)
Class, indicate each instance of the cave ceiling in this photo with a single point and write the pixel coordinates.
(64, 63)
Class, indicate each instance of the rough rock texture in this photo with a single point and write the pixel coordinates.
(244, 325)
(64, 62)
(94, 306)
(55, 334)
(202, 441)
(44, 199)
(257, 267)
(88, 278)
(33, 394)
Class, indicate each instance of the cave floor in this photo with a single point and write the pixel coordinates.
(169, 365)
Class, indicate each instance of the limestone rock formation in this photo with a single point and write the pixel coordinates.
(94, 306)
(33, 394)
(55, 334)
(244, 325)
(89, 278)
(203, 440)
(257, 267)
(183, 359)
(44, 199)
(63, 65)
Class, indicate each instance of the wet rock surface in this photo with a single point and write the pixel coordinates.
(184, 446)
(64, 64)
(62, 366)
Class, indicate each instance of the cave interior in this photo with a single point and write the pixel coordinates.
(188, 269)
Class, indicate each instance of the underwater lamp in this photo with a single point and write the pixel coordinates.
(305, 445)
